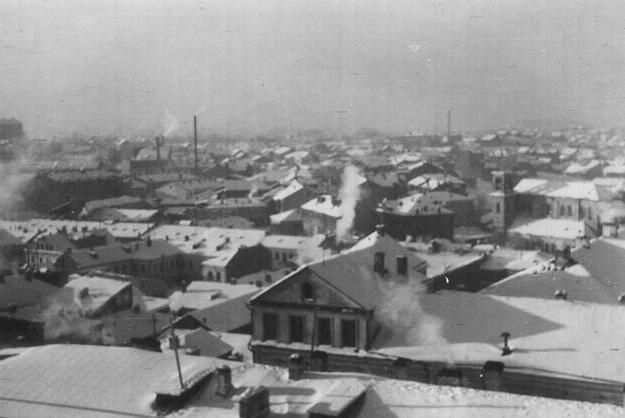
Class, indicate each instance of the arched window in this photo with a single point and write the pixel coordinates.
(308, 293)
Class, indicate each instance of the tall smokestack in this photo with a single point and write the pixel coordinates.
(448, 124)
(159, 141)
(195, 142)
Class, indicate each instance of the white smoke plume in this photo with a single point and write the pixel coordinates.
(349, 195)
(12, 183)
(169, 123)
(401, 311)
(64, 317)
(404, 321)
(175, 301)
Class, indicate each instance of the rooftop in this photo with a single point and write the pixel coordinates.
(552, 228)
(324, 205)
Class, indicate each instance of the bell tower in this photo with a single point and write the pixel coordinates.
(502, 200)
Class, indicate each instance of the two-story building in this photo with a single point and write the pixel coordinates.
(331, 303)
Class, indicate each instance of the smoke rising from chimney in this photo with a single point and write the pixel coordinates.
(175, 301)
(169, 123)
(400, 312)
(349, 195)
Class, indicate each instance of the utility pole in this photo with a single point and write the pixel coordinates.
(448, 124)
(173, 341)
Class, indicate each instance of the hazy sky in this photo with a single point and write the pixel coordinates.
(250, 66)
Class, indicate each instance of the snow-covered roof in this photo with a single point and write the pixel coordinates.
(289, 215)
(552, 228)
(290, 242)
(293, 187)
(207, 240)
(614, 170)
(79, 381)
(92, 381)
(579, 168)
(581, 190)
(572, 338)
(323, 205)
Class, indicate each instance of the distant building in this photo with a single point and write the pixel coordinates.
(11, 129)
(417, 216)
(54, 188)
(150, 258)
(229, 264)
(43, 252)
(320, 215)
(574, 207)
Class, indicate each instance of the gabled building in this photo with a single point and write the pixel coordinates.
(320, 215)
(417, 216)
(287, 197)
(332, 302)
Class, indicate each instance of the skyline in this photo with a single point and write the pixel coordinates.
(251, 67)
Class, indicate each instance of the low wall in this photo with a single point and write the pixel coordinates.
(492, 375)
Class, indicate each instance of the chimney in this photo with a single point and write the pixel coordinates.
(255, 403)
(560, 294)
(296, 369)
(505, 351)
(380, 229)
(159, 141)
(225, 381)
(195, 165)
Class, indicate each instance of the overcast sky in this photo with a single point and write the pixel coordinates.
(251, 66)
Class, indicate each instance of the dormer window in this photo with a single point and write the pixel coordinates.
(308, 292)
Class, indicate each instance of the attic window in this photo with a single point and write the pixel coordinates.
(308, 292)
(378, 263)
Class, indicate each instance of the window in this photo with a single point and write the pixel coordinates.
(296, 328)
(284, 257)
(218, 276)
(498, 183)
(561, 210)
(210, 276)
(277, 257)
(590, 214)
(268, 278)
(270, 326)
(569, 211)
(348, 333)
(308, 293)
(581, 212)
(402, 265)
(498, 207)
(324, 331)
(378, 262)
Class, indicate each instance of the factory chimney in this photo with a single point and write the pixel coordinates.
(160, 140)
(195, 143)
